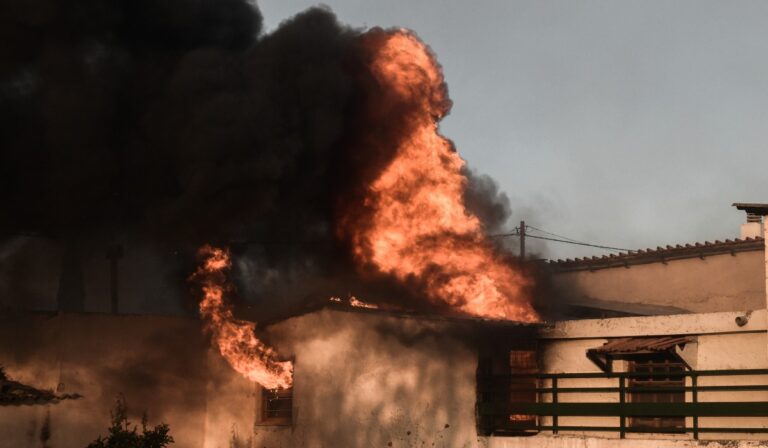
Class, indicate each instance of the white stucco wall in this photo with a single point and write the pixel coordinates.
(361, 379)
(715, 283)
(366, 379)
(721, 344)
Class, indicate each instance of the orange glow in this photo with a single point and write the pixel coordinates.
(420, 230)
(236, 339)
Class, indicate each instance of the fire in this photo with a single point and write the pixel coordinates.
(236, 339)
(356, 303)
(419, 229)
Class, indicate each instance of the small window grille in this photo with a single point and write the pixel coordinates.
(276, 406)
(657, 364)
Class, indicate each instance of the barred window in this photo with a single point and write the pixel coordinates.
(498, 386)
(276, 406)
(657, 364)
(523, 390)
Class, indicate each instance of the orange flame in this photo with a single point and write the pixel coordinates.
(236, 339)
(419, 228)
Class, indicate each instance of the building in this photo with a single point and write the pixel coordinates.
(683, 362)
(703, 277)
(362, 377)
(374, 378)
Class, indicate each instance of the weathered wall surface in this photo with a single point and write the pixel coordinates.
(721, 345)
(158, 364)
(597, 442)
(361, 379)
(364, 379)
(715, 283)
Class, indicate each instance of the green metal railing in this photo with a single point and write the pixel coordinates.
(502, 386)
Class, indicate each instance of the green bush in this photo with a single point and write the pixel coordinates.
(122, 435)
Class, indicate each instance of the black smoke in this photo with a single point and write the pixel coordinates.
(174, 123)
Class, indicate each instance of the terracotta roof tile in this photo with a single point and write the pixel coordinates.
(660, 254)
(633, 345)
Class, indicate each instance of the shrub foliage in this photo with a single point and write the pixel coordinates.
(123, 435)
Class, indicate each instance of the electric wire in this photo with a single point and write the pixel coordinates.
(516, 232)
(580, 244)
(552, 234)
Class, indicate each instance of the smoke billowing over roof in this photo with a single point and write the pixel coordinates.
(175, 123)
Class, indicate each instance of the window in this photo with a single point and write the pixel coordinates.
(276, 406)
(498, 387)
(523, 390)
(658, 364)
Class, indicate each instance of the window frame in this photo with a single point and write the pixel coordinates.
(661, 362)
(270, 417)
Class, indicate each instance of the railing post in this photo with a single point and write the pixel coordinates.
(539, 383)
(695, 399)
(554, 401)
(622, 401)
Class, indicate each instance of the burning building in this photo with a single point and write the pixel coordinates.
(179, 161)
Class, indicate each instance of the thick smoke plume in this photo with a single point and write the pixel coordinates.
(177, 122)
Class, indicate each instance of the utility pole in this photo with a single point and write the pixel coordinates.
(522, 240)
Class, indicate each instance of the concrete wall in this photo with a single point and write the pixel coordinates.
(715, 283)
(361, 379)
(366, 379)
(159, 364)
(721, 344)
(597, 442)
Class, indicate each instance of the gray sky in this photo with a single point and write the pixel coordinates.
(629, 124)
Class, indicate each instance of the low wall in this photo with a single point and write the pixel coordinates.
(721, 345)
(599, 442)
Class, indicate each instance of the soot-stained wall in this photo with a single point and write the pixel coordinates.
(158, 364)
(362, 378)
(371, 379)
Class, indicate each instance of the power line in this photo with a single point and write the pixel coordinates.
(577, 243)
(554, 234)
(516, 231)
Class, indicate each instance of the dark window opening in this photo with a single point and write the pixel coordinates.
(657, 364)
(523, 389)
(499, 387)
(276, 406)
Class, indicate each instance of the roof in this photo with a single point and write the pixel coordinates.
(15, 393)
(601, 308)
(642, 345)
(456, 318)
(353, 305)
(660, 254)
(752, 208)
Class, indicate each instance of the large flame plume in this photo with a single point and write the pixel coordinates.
(419, 229)
(236, 339)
